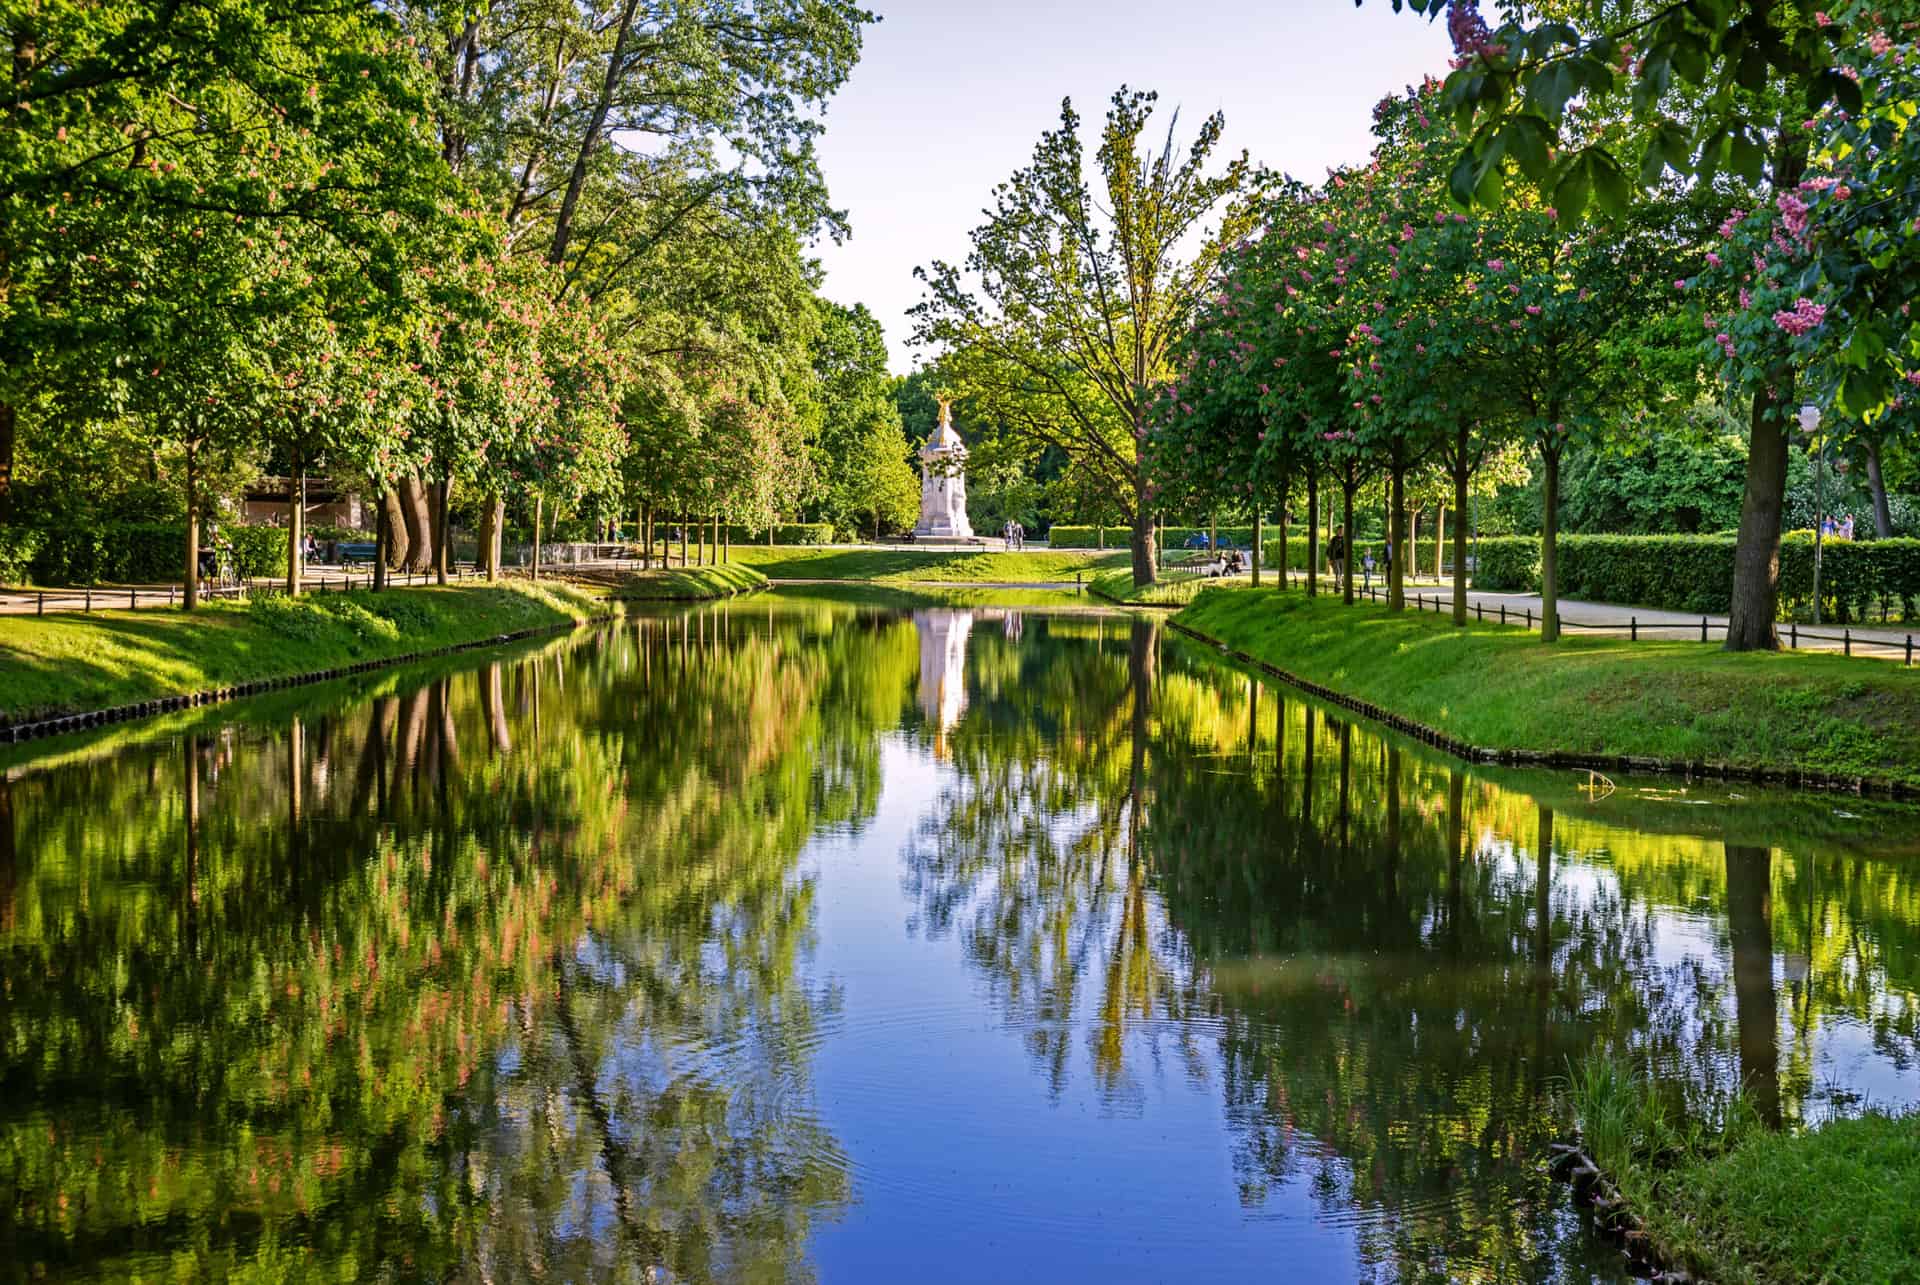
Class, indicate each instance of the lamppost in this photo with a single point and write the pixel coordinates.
(1810, 425)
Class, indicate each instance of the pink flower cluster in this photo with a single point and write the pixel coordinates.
(1804, 316)
(1793, 213)
(1732, 222)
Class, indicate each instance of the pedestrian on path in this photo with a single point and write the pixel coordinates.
(1337, 554)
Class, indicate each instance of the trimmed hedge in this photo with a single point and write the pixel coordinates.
(1508, 563)
(128, 553)
(783, 533)
(1695, 573)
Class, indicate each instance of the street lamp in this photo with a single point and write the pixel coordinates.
(1810, 424)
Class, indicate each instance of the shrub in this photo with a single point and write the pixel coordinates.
(18, 547)
(1858, 579)
(138, 552)
(1508, 564)
(783, 533)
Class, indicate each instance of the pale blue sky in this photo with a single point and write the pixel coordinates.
(949, 98)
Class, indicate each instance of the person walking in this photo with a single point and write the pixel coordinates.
(1337, 554)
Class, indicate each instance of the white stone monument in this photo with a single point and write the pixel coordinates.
(943, 483)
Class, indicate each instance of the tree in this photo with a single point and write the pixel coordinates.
(1080, 300)
(860, 454)
(1717, 88)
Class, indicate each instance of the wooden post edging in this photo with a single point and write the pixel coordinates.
(1615, 1217)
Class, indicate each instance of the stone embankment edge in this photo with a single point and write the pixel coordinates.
(1791, 778)
(14, 733)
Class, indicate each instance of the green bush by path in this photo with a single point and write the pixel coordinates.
(1502, 688)
(784, 533)
(128, 553)
(1508, 564)
(68, 663)
(1695, 573)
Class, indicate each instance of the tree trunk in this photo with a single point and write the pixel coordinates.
(1397, 538)
(493, 521)
(382, 539)
(7, 433)
(1286, 554)
(1413, 544)
(419, 523)
(1550, 546)
(1882, 517)
(1256, 539)
(296, 524)
(1146, 567)
(393, 516)
(1755, 1005)
(684, 524)
(1348, 485)
(442, 527)
(1756, 557)
(1460, 473)
(537, 501)
(1440, 542)
(590, 141)
(1313, 530)
(191, 598)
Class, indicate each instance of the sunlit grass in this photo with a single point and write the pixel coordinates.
(1502, 688)
(70, 662)
(1724, 1196)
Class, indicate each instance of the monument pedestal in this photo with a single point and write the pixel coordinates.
(943, 483)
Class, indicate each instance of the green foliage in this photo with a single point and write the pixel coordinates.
(1065, 316)
(1693, 573)
(1508, 564)
(783, 533)
(139, 552)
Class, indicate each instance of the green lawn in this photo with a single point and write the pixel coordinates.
(1173, 589)
(675, 584)
(1733, 1201)
(1501, 688)
(69, 663)
(907, 565)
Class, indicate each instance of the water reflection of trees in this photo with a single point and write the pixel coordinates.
(499, 972)
(1367, 951)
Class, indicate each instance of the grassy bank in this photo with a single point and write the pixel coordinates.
(1173, 589)
(909, 565)
(71, 663)
(1503, 689)
(1726, 1197)
(675, 584)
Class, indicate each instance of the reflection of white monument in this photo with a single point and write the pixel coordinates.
(943, 669)
(943, 482)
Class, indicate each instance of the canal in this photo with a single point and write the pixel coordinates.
(793, 940)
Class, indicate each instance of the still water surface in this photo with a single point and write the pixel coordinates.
(792, 940)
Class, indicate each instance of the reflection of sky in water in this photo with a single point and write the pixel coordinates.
(966, 1169)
